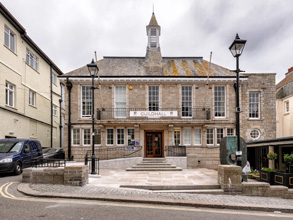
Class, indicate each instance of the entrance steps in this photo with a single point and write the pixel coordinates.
(190, 189)
(154, 164)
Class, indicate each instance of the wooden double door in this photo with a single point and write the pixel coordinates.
(154, 142)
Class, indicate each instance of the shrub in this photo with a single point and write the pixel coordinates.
(268, 169)
(288, 158)
(272, 156)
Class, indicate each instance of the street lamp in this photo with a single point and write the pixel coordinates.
(93, 69)
(236, 49)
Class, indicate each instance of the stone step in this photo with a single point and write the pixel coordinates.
(160, 188)
(154, 169)
(154, 160)
(154, 166)
(203, 191)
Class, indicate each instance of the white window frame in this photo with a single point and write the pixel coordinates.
(218, 133)
(187, 139)
(10, 37)
(118, 138)
(54, 78)
(195, 137)
(229, 134)
(32, 98)
(213, 136)
(120, 112)
(74, 135)
(89, 103)
(156, 100)
(130, 135)
(96, 134)
(83, 136)
(54, 110)
(254, 103)
(287, 106)
(175, 130)
(153, 38)
(187, 102)
(32, 60)
(113, 135)
(216, 101)
(10, 92)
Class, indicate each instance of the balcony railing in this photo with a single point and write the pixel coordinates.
(144, 113)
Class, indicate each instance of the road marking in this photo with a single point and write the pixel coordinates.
(97, 203)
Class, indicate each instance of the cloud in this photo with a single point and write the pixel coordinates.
(69, 31)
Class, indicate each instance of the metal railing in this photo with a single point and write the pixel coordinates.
(109, 153)
(175, 151)
(43, 162)
(88, 162)
(200, 113)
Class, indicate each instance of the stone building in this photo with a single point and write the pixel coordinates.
(156, 101)
(30, 90)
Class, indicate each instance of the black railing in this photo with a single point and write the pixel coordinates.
(109, 153)
(200, 113)
(43, 162)
(175, 151)
(89, 163)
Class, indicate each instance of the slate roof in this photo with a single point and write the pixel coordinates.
(285, 81)
(171, 66)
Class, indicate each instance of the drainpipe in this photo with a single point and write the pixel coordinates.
(60, 125)
(60, 115)
(51, 97)
(69, 87)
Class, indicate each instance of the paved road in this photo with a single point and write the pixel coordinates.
(15, 205)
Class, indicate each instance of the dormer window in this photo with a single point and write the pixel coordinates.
(153, 42)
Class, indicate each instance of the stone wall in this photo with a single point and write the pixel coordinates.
(73, 175)
(229, 177)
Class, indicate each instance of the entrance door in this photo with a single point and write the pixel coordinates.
(154, 144)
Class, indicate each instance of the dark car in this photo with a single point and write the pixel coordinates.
(16, 154)
(53, 153)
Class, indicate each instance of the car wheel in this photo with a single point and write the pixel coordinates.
(17, 168)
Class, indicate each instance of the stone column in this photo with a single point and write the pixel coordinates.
(271, 162)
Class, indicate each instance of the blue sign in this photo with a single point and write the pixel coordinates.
(137, 143)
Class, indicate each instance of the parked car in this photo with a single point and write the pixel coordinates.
(53, 153)
(16, 154)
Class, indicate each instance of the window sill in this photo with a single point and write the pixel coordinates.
(37, 71)
(287, 113)
(254, 119)
(10, 50)
(33, 106)
(11, 107)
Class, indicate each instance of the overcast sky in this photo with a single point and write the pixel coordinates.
(69, 31)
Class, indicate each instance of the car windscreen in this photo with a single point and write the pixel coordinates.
(10, 147)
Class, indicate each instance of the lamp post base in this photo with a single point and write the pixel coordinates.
(93, 165)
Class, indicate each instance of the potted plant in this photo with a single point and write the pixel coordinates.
(267, 175)
(283, 178)
(288, 158)
(272, 156)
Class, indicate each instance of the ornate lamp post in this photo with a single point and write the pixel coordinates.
(236, 49)
(93, 69)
